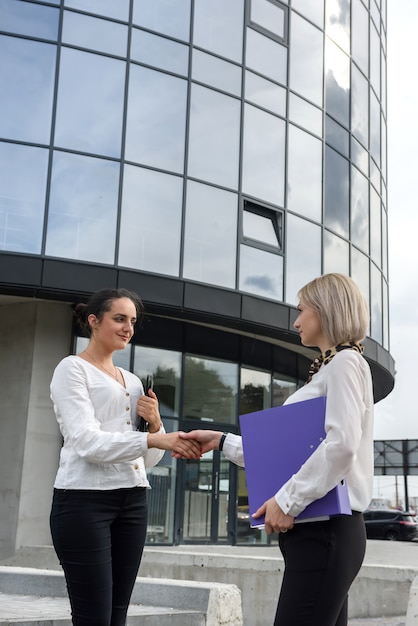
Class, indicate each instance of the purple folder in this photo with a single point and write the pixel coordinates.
(276, 443)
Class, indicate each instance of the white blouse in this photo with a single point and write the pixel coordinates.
(97, 417)
(346, 452)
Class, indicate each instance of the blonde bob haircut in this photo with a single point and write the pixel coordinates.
(341, 307)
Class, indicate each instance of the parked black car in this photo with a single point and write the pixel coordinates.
(390, 524)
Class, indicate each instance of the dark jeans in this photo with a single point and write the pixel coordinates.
(99, 537)
(321, 561)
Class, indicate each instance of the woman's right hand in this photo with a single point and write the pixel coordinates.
(182, 448)
(208, 440)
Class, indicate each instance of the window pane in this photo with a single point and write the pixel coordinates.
(27, 69)
(336, 254)
(336, 192)
(359, 210)
(359, 106)
(217, 73)
(384, 242)
(360, 36)
(375, 60)
(261, 273)
(360, 272)
(165, 367)
(160, 52)
(153, 200)
(337, 83)
(156, 119)
(375, 228)
(306, 60)
(311, 9)
(83, 208)
(22, 197)
(90, 103)
(218, 27)
(305, 114)
(269, 16)
(25, 18)
(210, 390)
(336, 136)
(109, 8)
(95, 34)
(304, 174)
(255, 391)
(337, 22)
(359, 156)
(374, 128)
(376, 305)
(210, 235)
(265, 93)
(263, 156)
(303, 255)
(214, 137)
(283, 387)
(259, 228)
(169, 17)
(265, 56)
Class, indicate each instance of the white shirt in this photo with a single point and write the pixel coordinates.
(346, 452)
(97, 417)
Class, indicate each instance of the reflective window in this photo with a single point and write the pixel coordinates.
(384, 242)
(169, 17)
(304, 174)
(159, 52)
(262, 225)
(255, 391)
(374, 175)
(306, 70)
(156, 119)
(376, 325)
(336, 254)
(313, 10)
(337, 83)
(218, 27)
(360, 35)
(360, 272)
(383, 98)
(375, 60)
(305, 114)
(26, 18)
(384, 147)
(216, 72)
(27, 75)
(385, 315)
(360, 156)
(265, 93)
(261, 273)
(337, 22)
(303, 256)
(359, 210)
(265, 56)
(90, 103)
(94, 33)
(263, 156)
(374, 128)
(165, 367)
(269, 16)
(375, 228)
(336, 192)
(83, 208)
(359, 106)
(22, 197)
(153, 202)
(210, 390)
(283, 387)
(336, 136)
(109, 8)
(210, 239)
(214, 137)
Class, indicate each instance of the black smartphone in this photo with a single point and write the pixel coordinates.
(149, 384)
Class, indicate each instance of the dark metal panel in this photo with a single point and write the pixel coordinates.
(20, 270)
(264, 312)
(152, 288)
(77, 277)
(212, 300)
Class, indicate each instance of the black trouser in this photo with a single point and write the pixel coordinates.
(321, 561)
(99, 537)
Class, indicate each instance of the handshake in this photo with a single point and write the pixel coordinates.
(206, 440)
(186, 445)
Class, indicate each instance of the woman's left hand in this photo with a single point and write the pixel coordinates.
(147, 407)
(275, 519)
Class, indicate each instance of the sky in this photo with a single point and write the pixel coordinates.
(396, 417)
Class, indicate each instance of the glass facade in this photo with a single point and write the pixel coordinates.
(238, 146)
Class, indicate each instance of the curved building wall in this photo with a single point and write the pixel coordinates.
(214, 156)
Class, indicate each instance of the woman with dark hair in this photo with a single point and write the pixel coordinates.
(322, 557)
(99, 509)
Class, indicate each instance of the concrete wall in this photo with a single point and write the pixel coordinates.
(35, 336)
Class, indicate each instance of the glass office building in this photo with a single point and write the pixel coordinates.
(213, 156)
